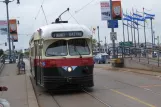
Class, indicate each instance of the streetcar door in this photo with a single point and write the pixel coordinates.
(35, 62)
(40, 64)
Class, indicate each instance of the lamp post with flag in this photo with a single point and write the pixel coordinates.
(151, 17)
(8, 27)
(144, 28)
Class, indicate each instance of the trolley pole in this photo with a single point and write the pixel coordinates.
(8, 26)
(112, 30)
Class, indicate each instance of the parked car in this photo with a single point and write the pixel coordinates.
(101, 58)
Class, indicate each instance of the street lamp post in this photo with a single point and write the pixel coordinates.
(112, 30)
(98, 38)
(8, 27)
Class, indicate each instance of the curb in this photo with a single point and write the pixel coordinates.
(32, 100)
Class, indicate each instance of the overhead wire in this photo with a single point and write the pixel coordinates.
(77, 11)
(44, 14)
(38, 12)
(39, 9)
(75, 19)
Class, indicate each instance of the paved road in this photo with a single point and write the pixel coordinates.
(112, 89)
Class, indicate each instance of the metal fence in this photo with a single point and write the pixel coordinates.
(146, 56)
(2, 62)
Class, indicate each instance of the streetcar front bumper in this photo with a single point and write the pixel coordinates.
(52, 82)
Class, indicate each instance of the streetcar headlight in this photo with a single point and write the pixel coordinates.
(69, 69)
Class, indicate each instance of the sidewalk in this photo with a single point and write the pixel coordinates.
(20, 91)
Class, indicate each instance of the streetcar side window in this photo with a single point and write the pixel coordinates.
(78, 46)
(58, 48)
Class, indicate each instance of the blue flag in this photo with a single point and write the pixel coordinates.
(128, 19)
(137, 15)
(151, 15)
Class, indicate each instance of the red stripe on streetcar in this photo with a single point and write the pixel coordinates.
(64, 62)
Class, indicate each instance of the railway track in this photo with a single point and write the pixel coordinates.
(88, 93)
(106, 104)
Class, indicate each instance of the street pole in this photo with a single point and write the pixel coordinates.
(131, 32)
(98, 38)
(128, 31)
(105, 44)
(8, 26)
(134, 36)
(158, 40)
(138, 34)
(123, 31)
(112, 30)
(9, 39)
(144, 29)
(152, 37)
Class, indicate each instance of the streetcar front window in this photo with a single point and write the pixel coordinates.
(58, 48)
(78, 46)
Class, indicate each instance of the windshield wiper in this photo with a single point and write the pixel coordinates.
(75, 49)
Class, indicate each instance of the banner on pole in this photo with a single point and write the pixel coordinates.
(116, 10)
(3, 27)
(105, 10)
(13, 29)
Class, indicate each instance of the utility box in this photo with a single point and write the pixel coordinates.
(118, 62)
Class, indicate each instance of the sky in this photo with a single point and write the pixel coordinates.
(90, 16)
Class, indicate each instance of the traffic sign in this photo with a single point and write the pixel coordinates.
(130, 44)
(112, 23)
(113, 35)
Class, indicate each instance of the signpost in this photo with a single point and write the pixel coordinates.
(113, 36)
(111, 12)
(112, 23)
(124, 44)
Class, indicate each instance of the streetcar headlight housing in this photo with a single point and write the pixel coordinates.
(69, 69)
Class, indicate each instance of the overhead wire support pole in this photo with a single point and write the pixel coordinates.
(112, 30)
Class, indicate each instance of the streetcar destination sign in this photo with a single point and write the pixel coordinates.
(67, 34)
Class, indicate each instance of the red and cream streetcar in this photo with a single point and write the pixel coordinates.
(61, 55)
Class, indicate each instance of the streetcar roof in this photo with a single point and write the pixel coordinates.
(62, 27)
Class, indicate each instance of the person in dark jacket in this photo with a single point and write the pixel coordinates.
(3, 88)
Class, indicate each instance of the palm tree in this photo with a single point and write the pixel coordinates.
(94, 42)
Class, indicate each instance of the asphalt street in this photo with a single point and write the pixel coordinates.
(112, 89)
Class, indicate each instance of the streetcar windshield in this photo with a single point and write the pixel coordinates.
(58, 48)
(78, 46)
